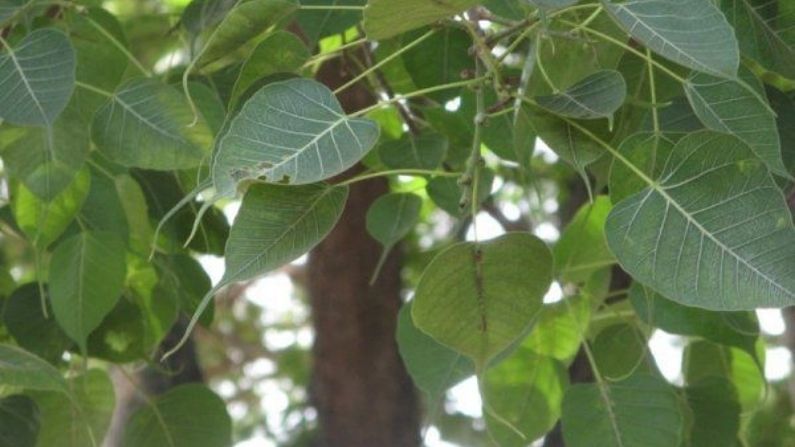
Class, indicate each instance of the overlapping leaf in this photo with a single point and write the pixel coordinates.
(87, 272)
(711, 231)
(380, 15)
(473, 301)
(597, 96)
(426, 151)
(292, 132)
(19, 421)
(145, 124)
(19, 368)
(692, 33)
(37, 78)
(582, 248)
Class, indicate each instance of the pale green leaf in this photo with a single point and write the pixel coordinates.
(560, 329)
(712, 231)
(473, 301)
(145, 124)
(277, 224)
(279, 52)
(387, 18)
(432, 366)
(526, 389)
(19, 421)
(727, 106)
(37, 78)
(186, 416)
(46, 159)
(693, 33)
(19, 368)
(80, 420)
(582, 248)
(641, 411)
(425, 151)
(244, 22)
(703, 359)
(597, 96)
(87, 272)
(43, 222)
(293, 132)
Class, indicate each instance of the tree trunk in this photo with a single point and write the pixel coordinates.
(360, 388)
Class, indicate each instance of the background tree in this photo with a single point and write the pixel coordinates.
(505, 201)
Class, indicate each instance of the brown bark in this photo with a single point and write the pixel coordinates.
(360, 388)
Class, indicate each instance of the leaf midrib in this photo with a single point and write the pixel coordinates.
(12, 56)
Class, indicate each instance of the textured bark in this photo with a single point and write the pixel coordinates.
(362, 393)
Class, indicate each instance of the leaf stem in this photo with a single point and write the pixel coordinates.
(653, 92)
(416, 93)
(414, 172)
(384, 61)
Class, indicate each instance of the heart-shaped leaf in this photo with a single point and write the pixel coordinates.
(87, 272)
(145, 124)
(712, 230)
(470, 299)
(693, 33)
(597, 96)
(37, 78)
(292, 132)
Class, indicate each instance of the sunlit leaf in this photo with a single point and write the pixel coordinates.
(473, 301)
(582, 248)
(380, 15)
(560, 329)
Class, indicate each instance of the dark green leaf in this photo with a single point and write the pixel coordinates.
(597, 96)
(450, 47)
(23, 318)
(19, 421)
(380, 15)
(425, 151)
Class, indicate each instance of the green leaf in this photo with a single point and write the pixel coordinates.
(277, 224)
(184, 276)
(432, 366)
(619, 350)
(526, 389)
(87, 272)
(553, 4)
(692, 33)
(446, 192)
(380, 15)
(425, 151)
(392, 217)
(560, 329)
(716, 413)
(712, 231)
(132, 200)
(582, 248)
(763, 30)
(646, 152)
(321, 23)
(19, 368)
(19, 421)
(186, 416)
(145, 124)
(727, 106)
(568, 142)
(244, 22)
(82, 419)
(739, 329)
(473, 301)
(597, 96)
(202, 14)
(292, 132)
(46, 159)
(36, 78)
(451, 46)
(279, 52)
(23, 318)
(43, 222)
(703, 360)
(641, 411)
